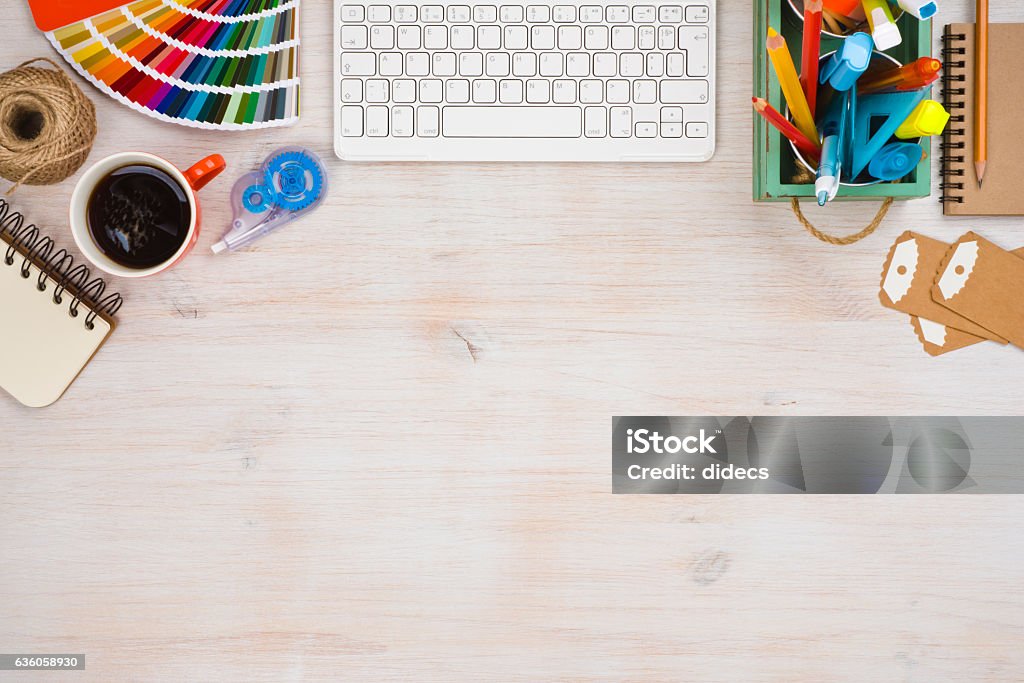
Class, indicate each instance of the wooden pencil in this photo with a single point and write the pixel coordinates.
(811, 50)
(811, 149)
(785, 69)
(981, 92)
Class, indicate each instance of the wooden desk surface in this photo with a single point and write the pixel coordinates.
(376, 445)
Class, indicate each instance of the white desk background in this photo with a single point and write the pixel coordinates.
(377, 445)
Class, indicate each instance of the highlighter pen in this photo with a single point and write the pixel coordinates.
(918, 74)
(883, 26)
(920, 9)
(826, 184)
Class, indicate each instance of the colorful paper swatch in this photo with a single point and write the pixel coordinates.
(224, 64)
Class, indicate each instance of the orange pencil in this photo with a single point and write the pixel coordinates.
(981, 92)
(807, 147)
(811, 50)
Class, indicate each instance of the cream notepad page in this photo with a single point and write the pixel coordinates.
(42, 348)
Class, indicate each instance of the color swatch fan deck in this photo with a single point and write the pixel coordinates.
(223, 64)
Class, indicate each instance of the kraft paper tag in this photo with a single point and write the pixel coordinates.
(980, 280)
(907, 278)
(938, 339)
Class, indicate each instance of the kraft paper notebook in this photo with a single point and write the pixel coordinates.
(1004, 178)
(53, 317)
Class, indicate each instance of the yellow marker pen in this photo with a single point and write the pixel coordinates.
(928, 118)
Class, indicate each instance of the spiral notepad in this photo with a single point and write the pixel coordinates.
(1001, 195)
(55, 318)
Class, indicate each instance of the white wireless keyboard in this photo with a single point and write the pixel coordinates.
(566, 82)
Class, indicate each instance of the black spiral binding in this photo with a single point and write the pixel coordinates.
(953, 92)
(56, 267)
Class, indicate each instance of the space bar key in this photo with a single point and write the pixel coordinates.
(512, 122)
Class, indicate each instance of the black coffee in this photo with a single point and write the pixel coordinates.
(139, 216)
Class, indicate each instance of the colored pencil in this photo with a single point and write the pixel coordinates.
(811, 50)
(809, 148)
(981, 92)
(782, 60)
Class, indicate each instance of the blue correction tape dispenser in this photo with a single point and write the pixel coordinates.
(290, 183)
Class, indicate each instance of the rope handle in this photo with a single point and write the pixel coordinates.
(848, 239)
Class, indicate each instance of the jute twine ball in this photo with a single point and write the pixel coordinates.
(47, 125)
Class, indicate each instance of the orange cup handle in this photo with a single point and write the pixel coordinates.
(204, 171)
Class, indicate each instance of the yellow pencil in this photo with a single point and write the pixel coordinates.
(782, 60)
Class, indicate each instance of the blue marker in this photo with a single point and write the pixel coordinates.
(895, 160)
(921, 9)
(826, 185)
(843, 68)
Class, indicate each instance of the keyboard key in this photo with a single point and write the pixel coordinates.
(624, 37)
(616, 14)
(511, 14)
(645, 92)
(358, 63)
(671, 114)
(458, 14)
(444, 63)
(516, 38)
(695, 40)
(666, 38)
(391, 63)
(696, 129)
(382, 37)
(684, 92)
(621, 122)
(351, 122)
(354, 37)
(431, 14)
(403, 90)
(674, 68)
(644, 14)
(352, 91)
(512, 122)
(645, 38)
(577, 64)
(485, 91)
(591, 91)
(631, 64)
(435, 37)
(551, 64)
(655, 64)
(538, 13)
(378, 14)
(617, 91)
(488, 37)
(462, 37)
(563, 91)
(417, 64)
(595, 122)
(697, 14)
(431, 90)
(670, 14)
(570, 37)
(485, 14)
(352, 13)
(377, 90)
(542, 37)
(377, 121)
(564, 14)
(591, 14)
(409, 38)
(456, 90)
(401, 122)
(497, 64)
(405, 14)
(605, 64)
(524, 64)
(510, 92)
(596, 37)
(471, 64)
(671, 130)
(538, 91)
(646, 129)
(428, 122)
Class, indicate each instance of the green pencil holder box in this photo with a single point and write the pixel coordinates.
(774, 163)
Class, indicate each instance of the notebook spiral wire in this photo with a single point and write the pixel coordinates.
(56, 266)
(953, 93)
